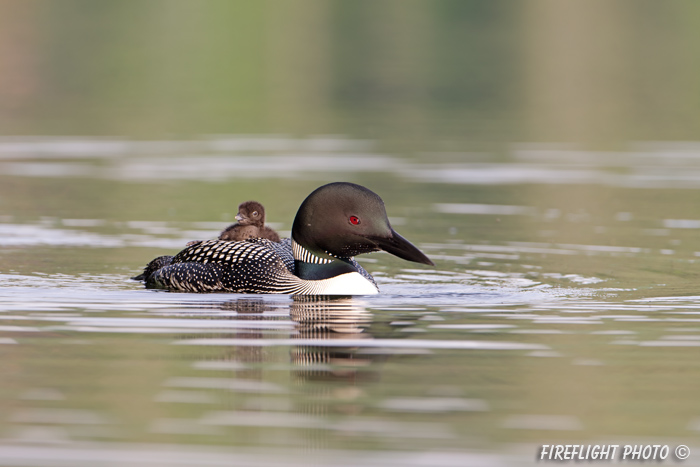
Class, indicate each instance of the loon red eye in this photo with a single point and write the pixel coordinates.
(354, 220)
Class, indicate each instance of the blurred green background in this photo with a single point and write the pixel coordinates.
(439, 74)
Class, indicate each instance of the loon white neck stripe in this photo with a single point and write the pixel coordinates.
(302, 254)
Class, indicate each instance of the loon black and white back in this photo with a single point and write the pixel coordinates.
(261, 266)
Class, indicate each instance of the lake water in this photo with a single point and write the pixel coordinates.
(563, 308)
(544, 154)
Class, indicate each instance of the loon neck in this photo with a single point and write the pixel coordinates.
(317, 266)
(300, 253)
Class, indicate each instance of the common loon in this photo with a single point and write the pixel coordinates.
(251, 224)
(334, 223)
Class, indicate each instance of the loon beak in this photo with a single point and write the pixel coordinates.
(399, 246)
(239, 217)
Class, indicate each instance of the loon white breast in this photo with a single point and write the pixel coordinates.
(334, 224)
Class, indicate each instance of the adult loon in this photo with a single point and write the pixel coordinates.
(334, 223)
(251, 224)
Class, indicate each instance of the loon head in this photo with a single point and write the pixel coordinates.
(251, 213)
(343, 220)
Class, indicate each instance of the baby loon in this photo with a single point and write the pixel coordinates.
(251, 224)
(333, 224)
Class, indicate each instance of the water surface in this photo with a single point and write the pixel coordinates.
(557, 312)
(544, 154)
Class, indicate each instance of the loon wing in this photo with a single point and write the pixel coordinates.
(222, 266)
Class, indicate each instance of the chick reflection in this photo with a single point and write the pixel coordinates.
(247, 308)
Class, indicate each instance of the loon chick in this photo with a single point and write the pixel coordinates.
(251, 224)
(334, 223)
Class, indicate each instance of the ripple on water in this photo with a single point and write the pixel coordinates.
(433, 404)
(59, 416)
(359, 343)
(235, 385)
(472, 327)
(367, 426)
(543, 422)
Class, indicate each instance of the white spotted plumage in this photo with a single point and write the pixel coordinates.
(253, 266)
